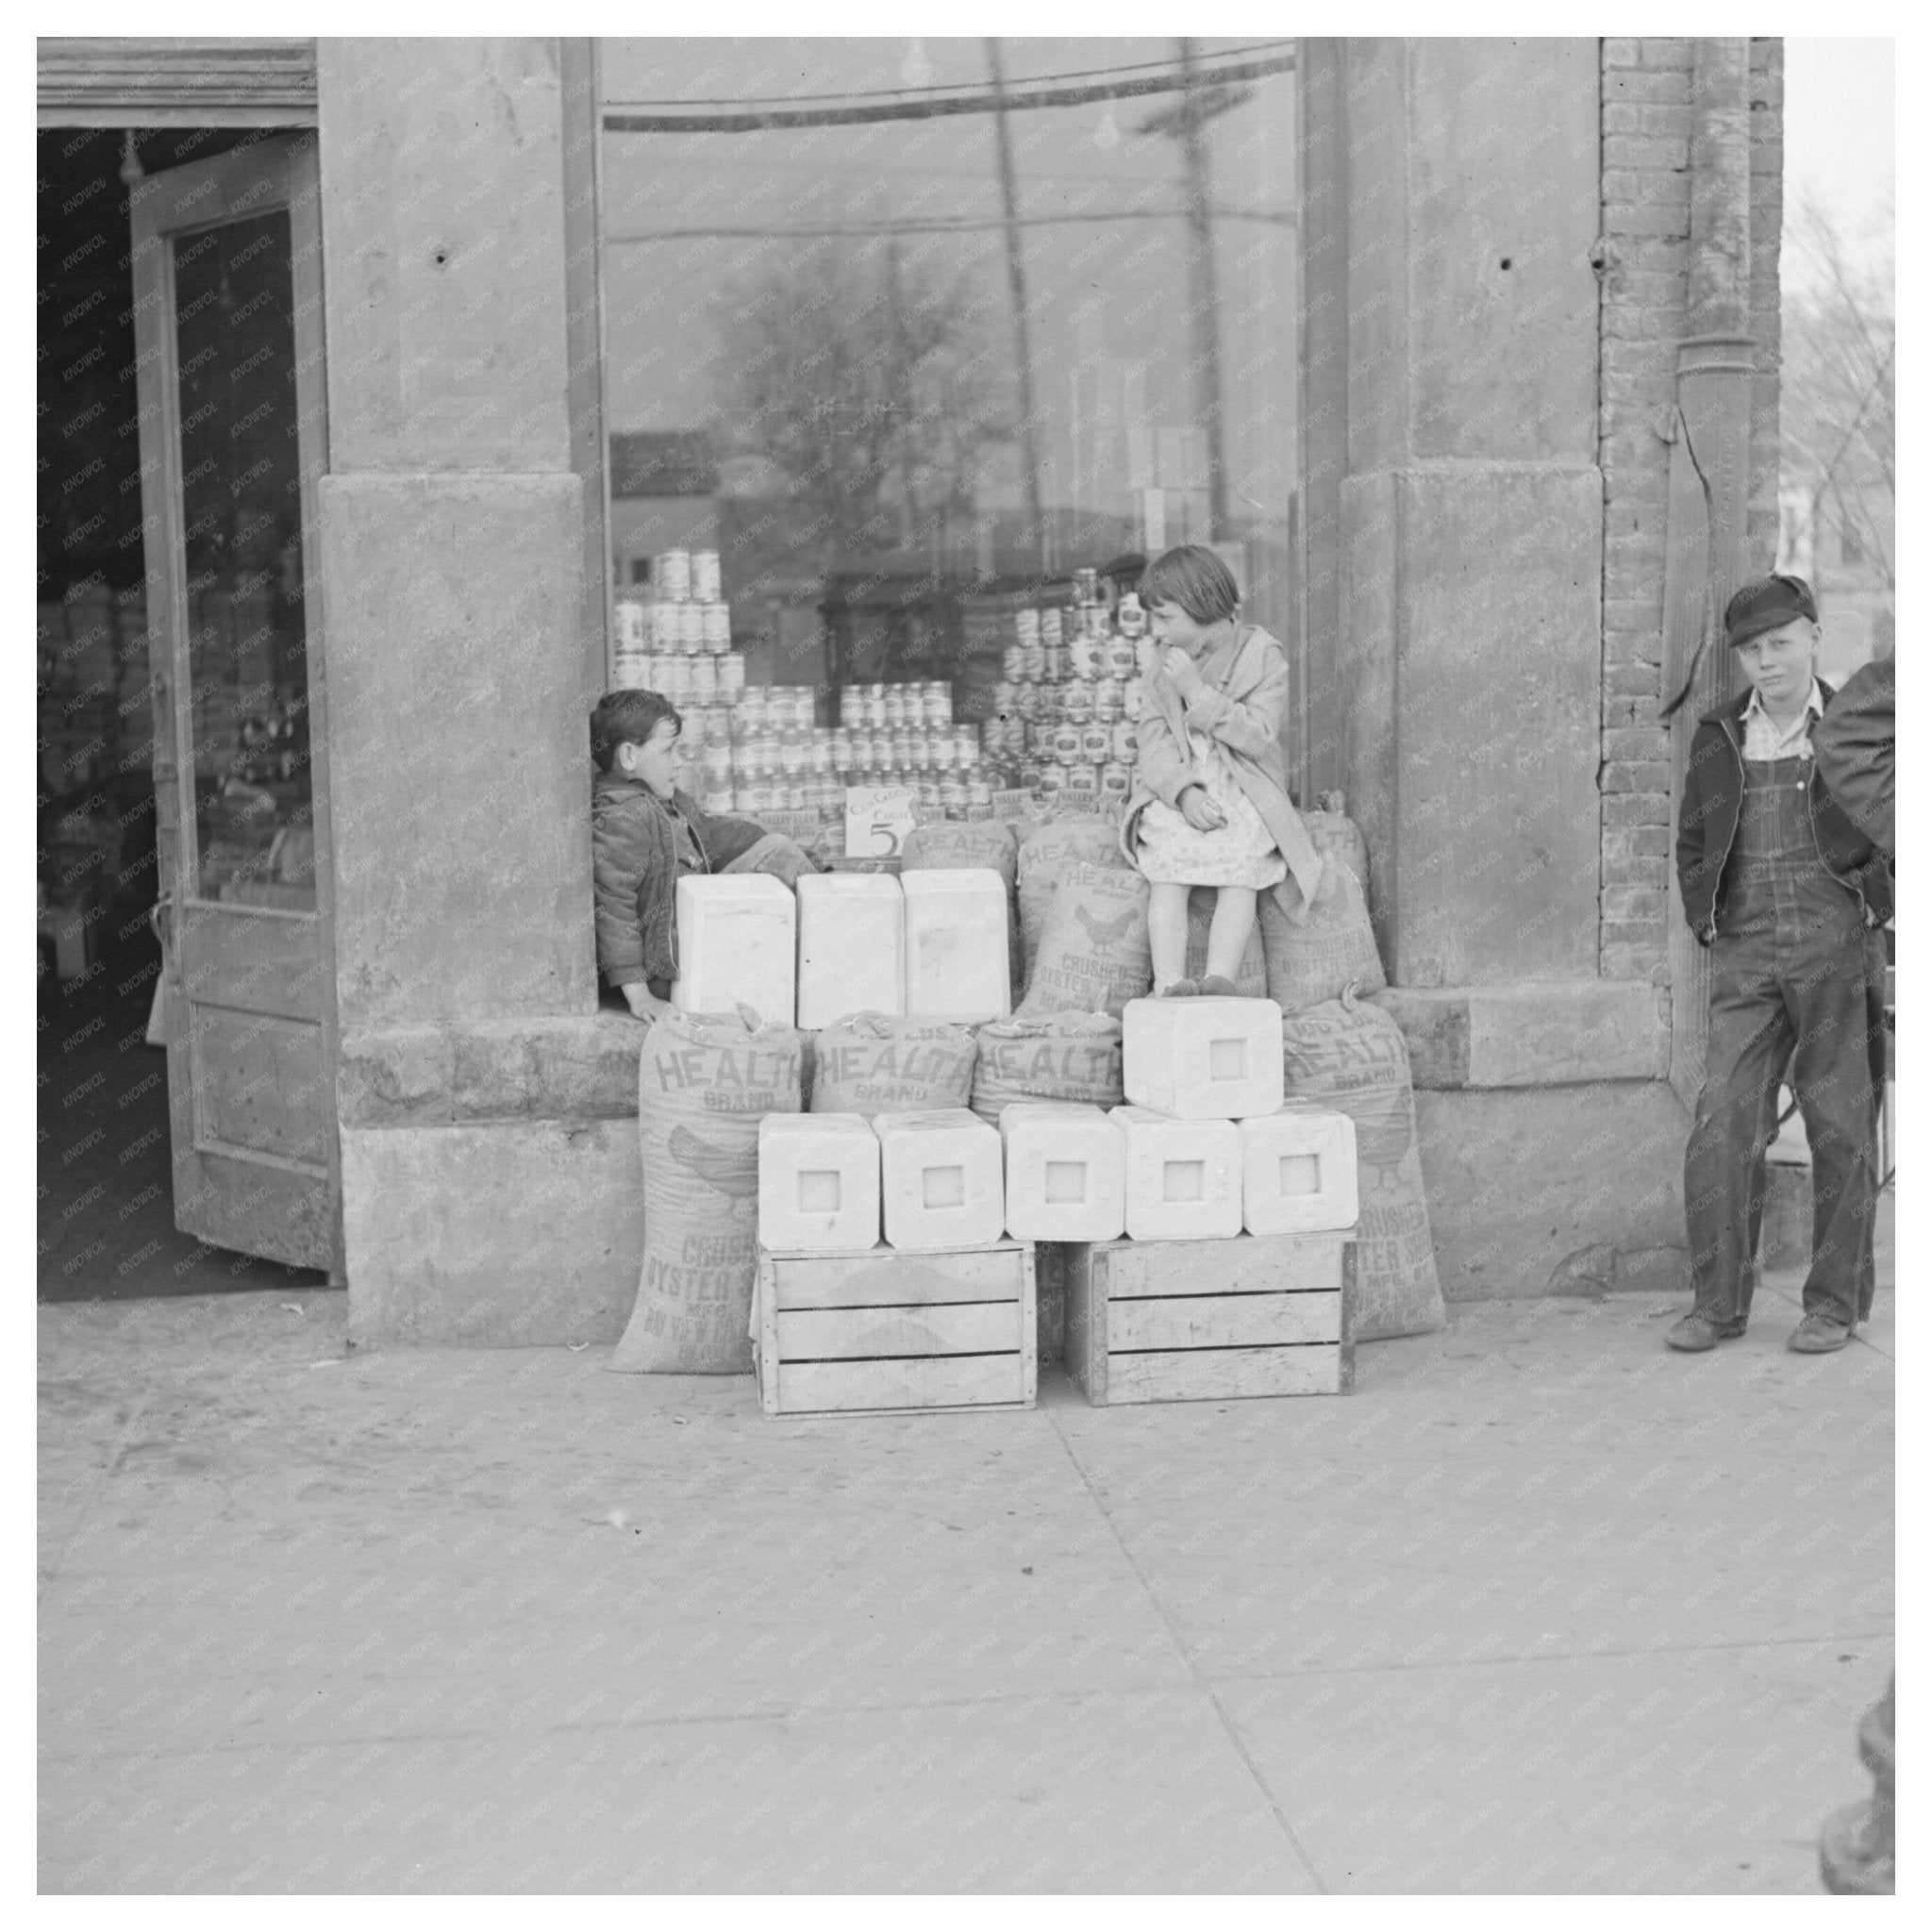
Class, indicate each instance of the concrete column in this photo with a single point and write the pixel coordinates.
(1471, 506)
(490, 1183)
(452, 536)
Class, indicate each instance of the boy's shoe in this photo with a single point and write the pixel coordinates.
(1695, 1333)
(1819, 1335)
(1214, 987)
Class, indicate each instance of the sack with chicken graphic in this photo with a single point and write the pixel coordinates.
(704, 1081)
(1072, 1057)
(1094, 954)
(871, 1063)
(1350, 1054)
(1048, 853)
(1317, 950)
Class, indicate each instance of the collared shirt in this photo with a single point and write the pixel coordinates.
(1765, 741)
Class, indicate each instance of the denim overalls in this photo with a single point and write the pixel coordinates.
(1791, 966)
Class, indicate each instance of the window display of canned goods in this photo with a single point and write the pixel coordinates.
(671, 574)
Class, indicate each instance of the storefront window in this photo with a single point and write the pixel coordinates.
(909, 332)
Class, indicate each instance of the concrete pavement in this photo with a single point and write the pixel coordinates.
(1542, 1607)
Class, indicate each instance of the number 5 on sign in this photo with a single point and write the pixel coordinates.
(878, 817)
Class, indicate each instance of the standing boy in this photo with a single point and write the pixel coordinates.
(1786, 893)
(644, 834)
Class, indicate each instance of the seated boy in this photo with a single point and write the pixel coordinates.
(645, 834)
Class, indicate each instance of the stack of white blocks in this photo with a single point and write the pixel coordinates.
(927, 946)
(1223, 1154)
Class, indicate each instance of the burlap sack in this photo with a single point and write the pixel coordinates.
(1048, 853)
(1315, 952)
(1049, 1056)
(1351, 1056)
(1094, 954)
(1335, 835)
(871, 1063)
(704, 1080)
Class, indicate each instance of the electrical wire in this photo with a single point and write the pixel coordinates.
(942, 224)
(882, 93)
(982, 100)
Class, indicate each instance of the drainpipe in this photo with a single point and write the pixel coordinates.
(1707, 552)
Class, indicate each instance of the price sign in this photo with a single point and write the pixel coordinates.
(878, 818)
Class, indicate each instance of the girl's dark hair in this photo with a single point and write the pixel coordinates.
(1196, 579)
(627, 717)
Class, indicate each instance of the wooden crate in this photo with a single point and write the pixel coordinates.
(1204, 1320)
(886, 1331)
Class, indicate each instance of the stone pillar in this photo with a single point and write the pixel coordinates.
(454, 594)
(1451, 208)
(1471, 507)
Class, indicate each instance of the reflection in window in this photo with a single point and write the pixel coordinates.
(909, 332)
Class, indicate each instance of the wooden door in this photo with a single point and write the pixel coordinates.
(227, 280)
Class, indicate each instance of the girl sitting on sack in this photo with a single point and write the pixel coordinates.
(1210, 805)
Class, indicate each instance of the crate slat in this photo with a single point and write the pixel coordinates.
(913, 1382)
(960, 1328)
(1206, 1375)
(886, 1277)
(1221, 1321)
(1243, 1264)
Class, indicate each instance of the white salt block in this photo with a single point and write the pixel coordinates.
(1203, 1058)
(1298, 1170)
(1184, 1177)
(939, 1180)
(818, 1182)
(956, 945)
(1066, 1173)
(737, 945)
(851, 946)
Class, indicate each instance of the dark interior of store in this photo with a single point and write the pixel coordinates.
(106, 1218)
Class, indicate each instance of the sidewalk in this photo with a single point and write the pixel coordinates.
(1542, 1607)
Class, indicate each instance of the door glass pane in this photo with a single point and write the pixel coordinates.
(241, 513)
(912, 333)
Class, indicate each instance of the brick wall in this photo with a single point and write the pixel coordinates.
(1646, 240)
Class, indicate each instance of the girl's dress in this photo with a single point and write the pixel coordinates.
(1169, 851)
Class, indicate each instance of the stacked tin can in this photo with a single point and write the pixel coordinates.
(903, 734)
(1067, 698)
(679, 641)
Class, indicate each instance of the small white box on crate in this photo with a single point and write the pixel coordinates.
(1203, 1060)
(1184, 1177)
(1298, 1170)
(818, 1183)
(1066, 1173)
(851, 946)
(956, 945)
(737, 944)
(939, 1180)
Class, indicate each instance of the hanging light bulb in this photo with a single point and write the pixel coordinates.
(1107, 134)
(916, 70)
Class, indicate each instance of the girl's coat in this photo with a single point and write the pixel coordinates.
(1245, 693)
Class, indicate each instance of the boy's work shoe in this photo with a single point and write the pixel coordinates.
(1215, 987)
(1695, 1333)
(1819, 1335)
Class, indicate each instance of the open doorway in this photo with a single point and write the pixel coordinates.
(106, 1209)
